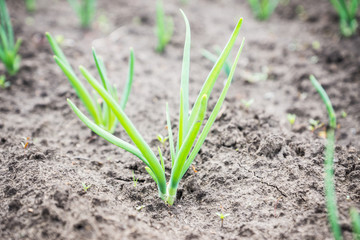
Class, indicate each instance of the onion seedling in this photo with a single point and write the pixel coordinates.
(355, 222)
(189, 126)
(85, 187)
(344, 114)
(263, 9)
(291, 118)
(30, 5)
(247, 103)
(135, 180)
(164, 27)
(85, 10)
(314, 124)
(212, 57)
(162, 139)
(101, 113)
(347, 13)
(222, 217)
(8, 47)
(3, 82)
(330, 196)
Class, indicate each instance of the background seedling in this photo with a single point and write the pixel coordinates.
(30, 5)
(101, 113)
(222, 217)
(343, 114)
(85, 187)
(164, 27)
(291, 118)
(8, 48)
(247, 103)
(355, 222)
(85, 10)
(347, 13)
(162, 139)
(190, 138)
(135, 180)
(263, 9)
(254, 77)
(213, 58)
(3, 82)
(314, 124)
(330, 196)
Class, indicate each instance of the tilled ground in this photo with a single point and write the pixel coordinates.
(267, 175)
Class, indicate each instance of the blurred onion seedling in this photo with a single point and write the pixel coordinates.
(263, 9)
(164, 27)
(8, 47)
(347, 10)
(85, 10)
(30, 5)
(191, 134)
(101, 113)
(330, 195)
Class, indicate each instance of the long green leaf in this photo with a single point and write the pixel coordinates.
(214, 113)
(127, 89)
(188, 143)
(171, 138)
(130, 130)
(213, 75)
(184, 94)
(81, 91)
(106, 135)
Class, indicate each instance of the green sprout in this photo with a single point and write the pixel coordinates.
(343, 114)
(347, 12)
(355, 222)
(138, 208)
(189, 128)
(162, 139)
(8, 48)
(222, 217)
(263, 9)
(30, 5)
(330, 196)
(135, 180)
(291, 118)
(164, 27)
(101, 113)
(247, 103)
(314, 124)
(3, 82)
(213, 58)
(85, 188)
(85, 10)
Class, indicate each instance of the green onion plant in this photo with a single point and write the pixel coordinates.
(330, 196)
(102, 114)
(213, 58)
(191, 135)
(30, 5)
(85, 187)
(164, 27)
(3, 82)
(355, 221)
(291, 118)
(263, 9)
(85, 10)
(347, 12)
(222, 216)
(8, 47)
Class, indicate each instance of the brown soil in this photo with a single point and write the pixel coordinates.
(254, 166)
